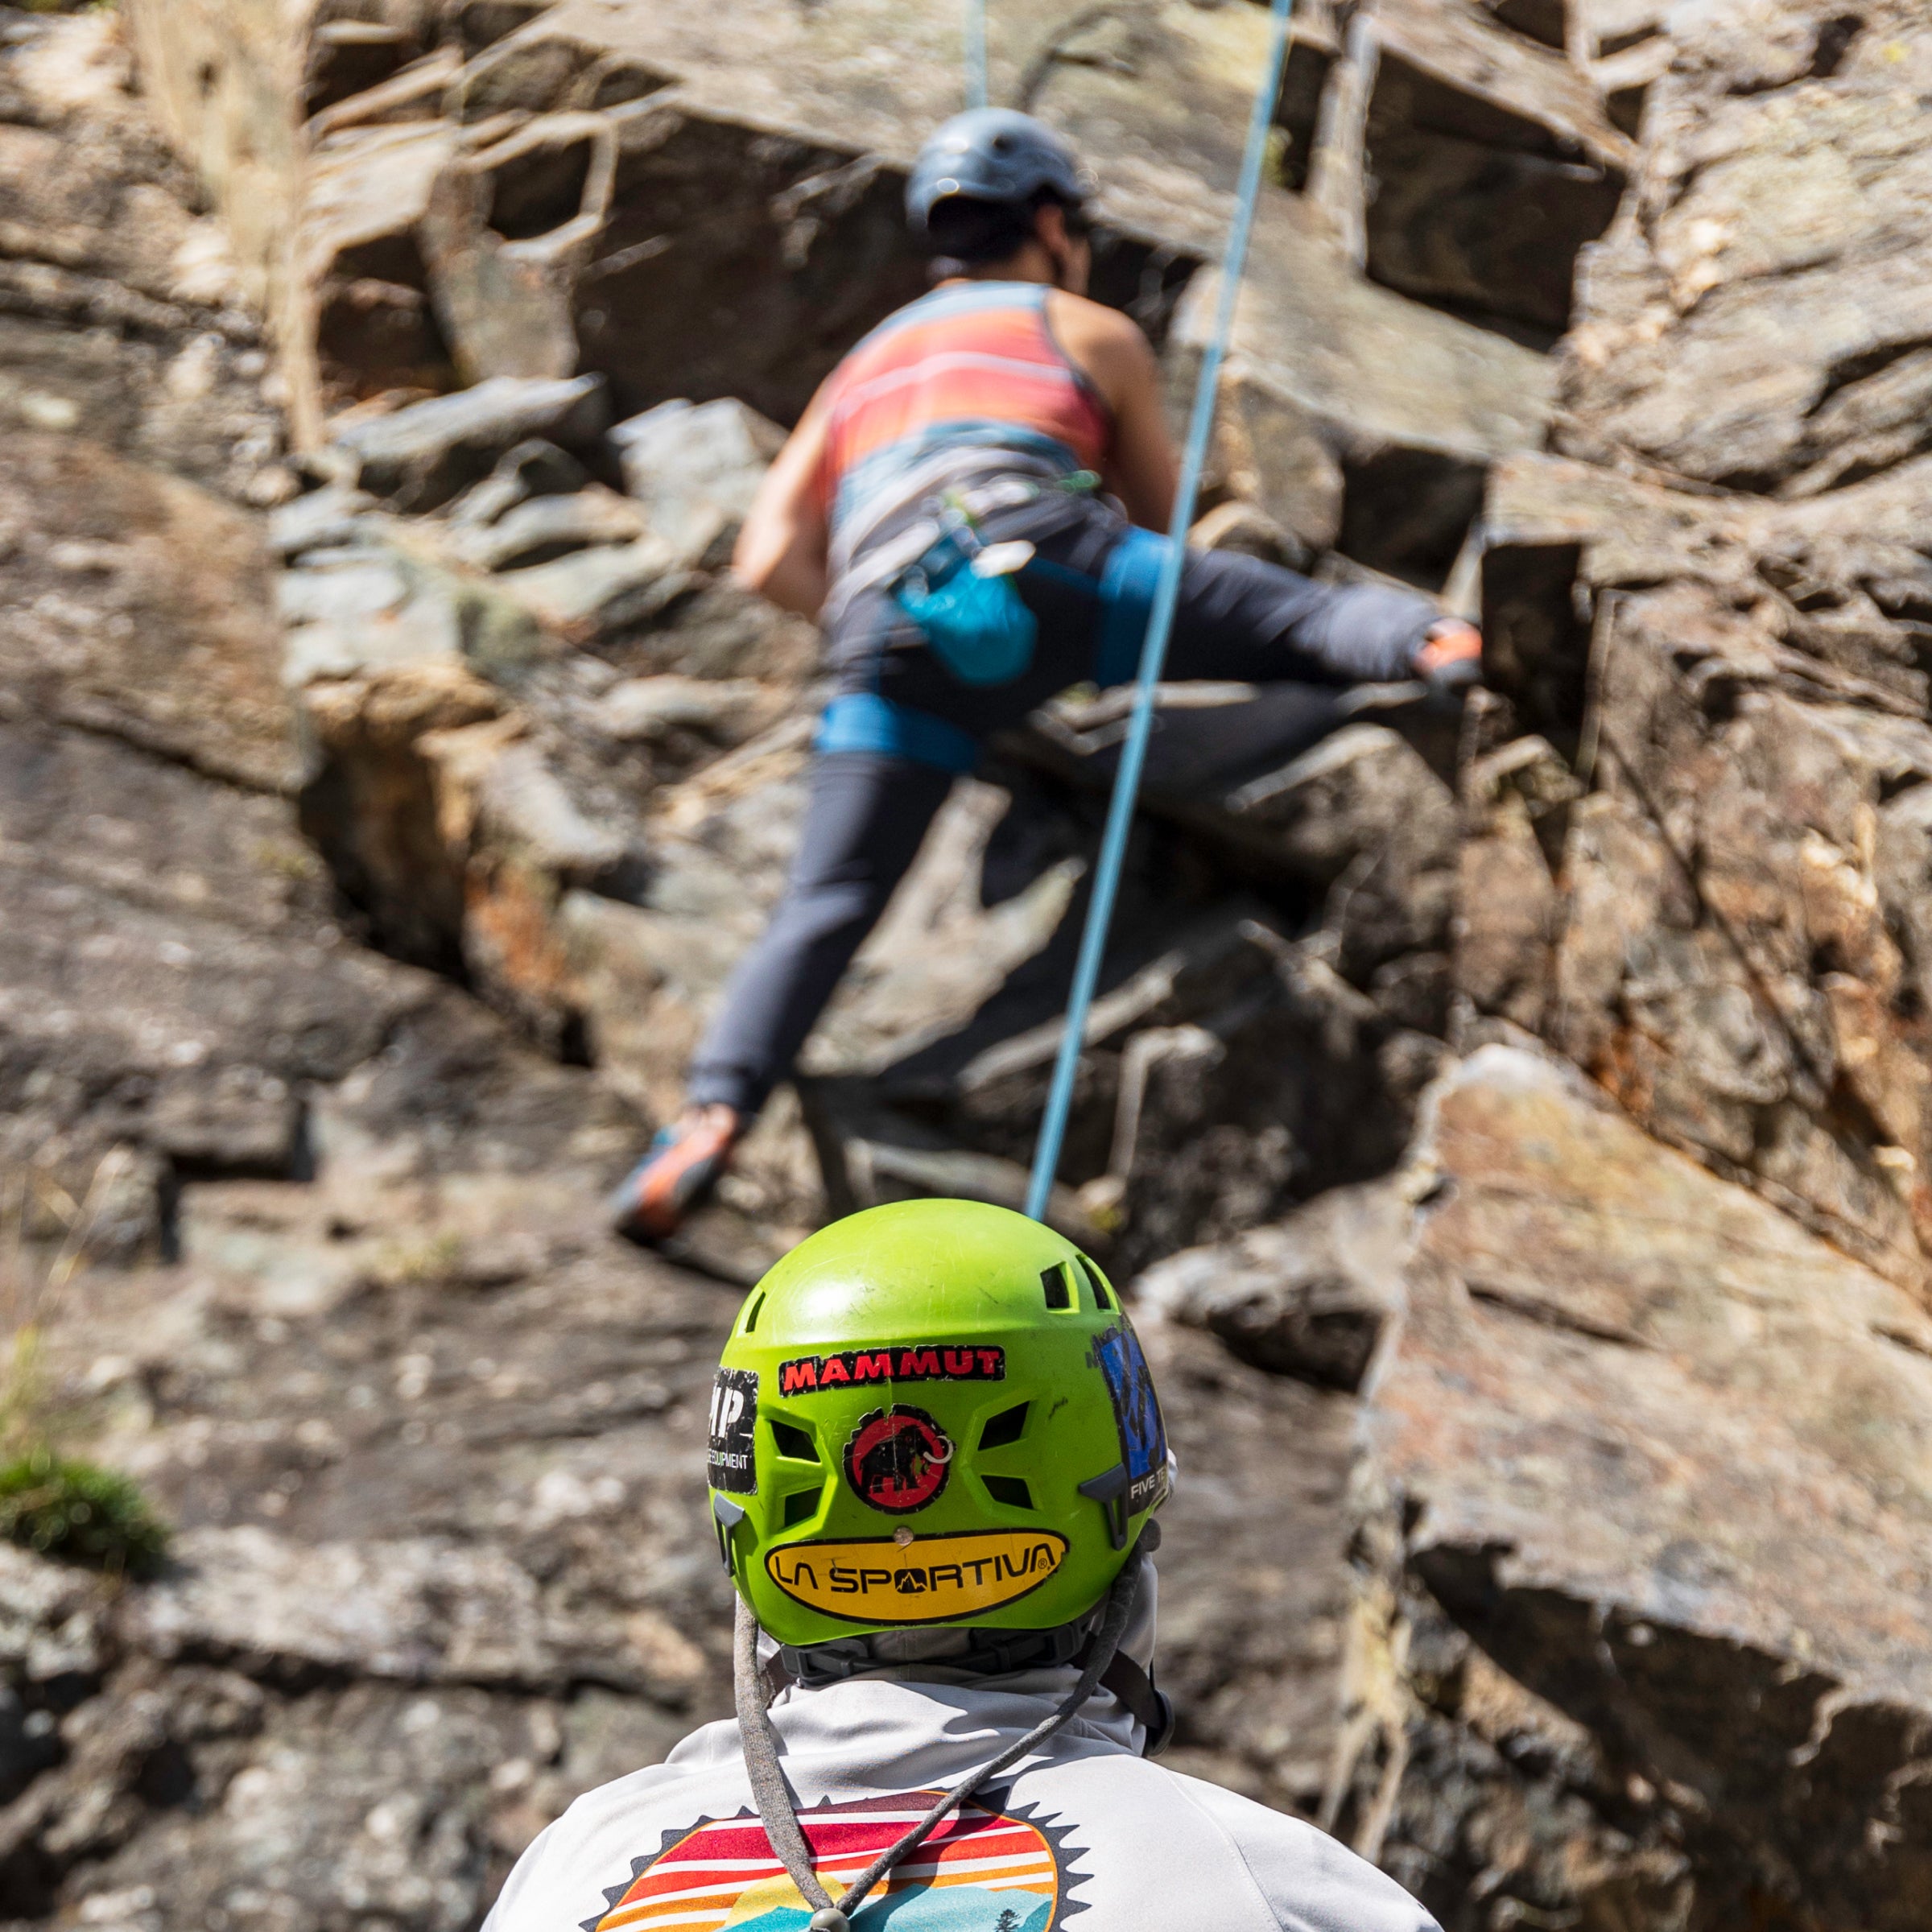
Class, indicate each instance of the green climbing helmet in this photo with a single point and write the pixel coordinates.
(931, 1414)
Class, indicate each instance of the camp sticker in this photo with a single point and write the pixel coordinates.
(931, 1580)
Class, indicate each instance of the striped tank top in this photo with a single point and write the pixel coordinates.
(962, 387)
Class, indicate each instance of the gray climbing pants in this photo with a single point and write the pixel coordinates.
(1237, 619)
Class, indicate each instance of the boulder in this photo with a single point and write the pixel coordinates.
(123, 314)
(420, 456)
(1275, 778)
(544, 528)
(1732, 957)
(1307, 1297)
(1663, 1458)
(387, 597)
(592, 594)
(695, 468)
(1354, 418)
(138, 604)
(1516, 806)
(1494, 164)
(170, 984)
(420, 1611)
(1732, 964)
(1759, 326)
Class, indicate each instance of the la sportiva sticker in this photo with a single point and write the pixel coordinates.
(932, 1579)
(993, 1866)
(897, 1460)
(856, 1368)
(1117, 1355)
(732, 1466)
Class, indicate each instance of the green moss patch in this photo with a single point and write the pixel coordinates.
(61, 1507)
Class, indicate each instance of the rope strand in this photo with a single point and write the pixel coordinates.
(1160, 629)
(975, 53)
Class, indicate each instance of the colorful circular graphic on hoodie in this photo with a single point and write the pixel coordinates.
(982, 1871)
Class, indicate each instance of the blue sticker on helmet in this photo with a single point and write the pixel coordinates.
(1117, 1355)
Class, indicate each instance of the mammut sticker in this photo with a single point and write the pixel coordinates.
(929, 1580)
(897, 1460)
(993, 1866)
(734, 1421)
(1117, 1355)
(850, 1367)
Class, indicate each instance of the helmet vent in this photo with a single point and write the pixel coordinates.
(752, 1313)
(801, 1506)
(1059, 1290)
(1010, 1490)
(1004, 1428)
(792, 1442)
(1100, 1295)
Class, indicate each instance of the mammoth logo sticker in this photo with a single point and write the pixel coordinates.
(734, 1421)
(897, 1460)
(929, 1580)
(1117, 1355)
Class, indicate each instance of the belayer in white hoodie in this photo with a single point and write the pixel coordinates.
(935, 1453)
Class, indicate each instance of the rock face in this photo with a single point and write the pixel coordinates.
(701, 205)
(1515, 1120)
(1733, 920)
(1650, 1506)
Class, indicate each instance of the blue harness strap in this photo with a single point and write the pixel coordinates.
(862, 720)
(1128, 582)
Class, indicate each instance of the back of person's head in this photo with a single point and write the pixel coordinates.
(934, 1436)
(974, 196)
(962, 235)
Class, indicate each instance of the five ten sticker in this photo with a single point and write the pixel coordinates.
(874, 1580)
(897, 1460)
(850, 1368)
(1137, 1409)
(734, 1422)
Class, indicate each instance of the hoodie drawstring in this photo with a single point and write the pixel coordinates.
(772, 1795)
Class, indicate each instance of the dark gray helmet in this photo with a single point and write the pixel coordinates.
(993, 154)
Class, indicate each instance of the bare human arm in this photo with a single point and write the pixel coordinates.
(781, 551)
(1110, 350)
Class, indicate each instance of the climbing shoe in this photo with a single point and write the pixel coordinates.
(683, 1167)
(1451, 658)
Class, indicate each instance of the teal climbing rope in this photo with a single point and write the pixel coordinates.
(975, 53)
(1160, 627)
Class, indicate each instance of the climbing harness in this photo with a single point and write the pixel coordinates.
(773, 1796)
(1138, 568)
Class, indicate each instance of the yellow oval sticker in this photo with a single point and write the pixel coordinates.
(931, 1580)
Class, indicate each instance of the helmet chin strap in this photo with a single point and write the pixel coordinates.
(772, 1795)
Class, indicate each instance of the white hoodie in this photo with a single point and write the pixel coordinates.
(1087, 1825)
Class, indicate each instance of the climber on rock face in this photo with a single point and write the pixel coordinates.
(968, 506)
(936, 1456)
